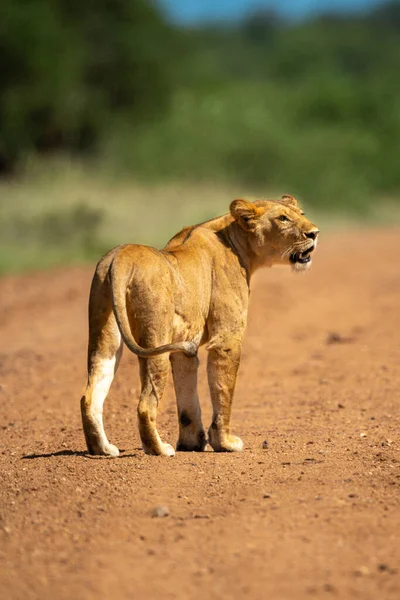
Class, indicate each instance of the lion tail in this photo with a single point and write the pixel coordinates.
(120, 274)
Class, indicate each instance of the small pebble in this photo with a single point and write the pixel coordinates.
(336, 338)
(160, 511)
(265, 445)
(362, 571)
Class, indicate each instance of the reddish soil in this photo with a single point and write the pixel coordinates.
(315, 514)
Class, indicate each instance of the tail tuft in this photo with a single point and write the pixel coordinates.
(190, 348)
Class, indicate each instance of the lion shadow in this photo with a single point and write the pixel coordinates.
(82, 453)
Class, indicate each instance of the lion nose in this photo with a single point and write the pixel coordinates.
(312, 234)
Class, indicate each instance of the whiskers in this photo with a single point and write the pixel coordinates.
(294, 248)
(287, 252)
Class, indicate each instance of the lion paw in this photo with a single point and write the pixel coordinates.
(161, 450)
(167, 450)
(111, 450)
(229, 443)
(196, 444)
(106, 450)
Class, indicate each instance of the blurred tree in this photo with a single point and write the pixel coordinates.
(261, 26)
(302, 105)
(66, 66)
(388, 15)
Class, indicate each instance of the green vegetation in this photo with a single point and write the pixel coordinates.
(67, 213)
(259, 107)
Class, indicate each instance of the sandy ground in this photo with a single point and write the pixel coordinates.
(316, 514)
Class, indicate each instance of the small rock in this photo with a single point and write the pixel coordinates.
(265, 445)
(267, 496)
(340, 405)
(337, 338)
(363, 435)
(363, 571)
(160, 511)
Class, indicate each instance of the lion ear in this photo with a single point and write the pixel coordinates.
(287, 199)
(245, 213)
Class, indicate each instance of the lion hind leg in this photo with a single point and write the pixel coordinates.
(154, 375)
(92, 407)
(104, 353)
(100, 378)
(192, 437)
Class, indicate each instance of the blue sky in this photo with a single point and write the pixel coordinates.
(194, 11)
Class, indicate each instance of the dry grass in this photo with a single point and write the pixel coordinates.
(50, 194)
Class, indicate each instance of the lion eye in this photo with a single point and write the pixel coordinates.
(283, 218)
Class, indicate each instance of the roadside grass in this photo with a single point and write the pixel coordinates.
(61, 213)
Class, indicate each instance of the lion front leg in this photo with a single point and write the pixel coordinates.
(192, 437)
(222, 368)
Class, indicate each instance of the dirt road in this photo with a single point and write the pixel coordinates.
(316, 514)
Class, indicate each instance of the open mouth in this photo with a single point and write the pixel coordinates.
(302, 257)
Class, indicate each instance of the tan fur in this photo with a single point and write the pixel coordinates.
(165, 304)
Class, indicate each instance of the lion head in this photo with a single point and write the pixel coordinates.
(278, 231)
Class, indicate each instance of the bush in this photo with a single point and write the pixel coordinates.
(51, 238)
(67, 66)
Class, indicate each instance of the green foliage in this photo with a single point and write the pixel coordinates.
(66, 65)
(309, 108)
(50, 238)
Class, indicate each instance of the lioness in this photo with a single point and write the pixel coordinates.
(165, 304)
